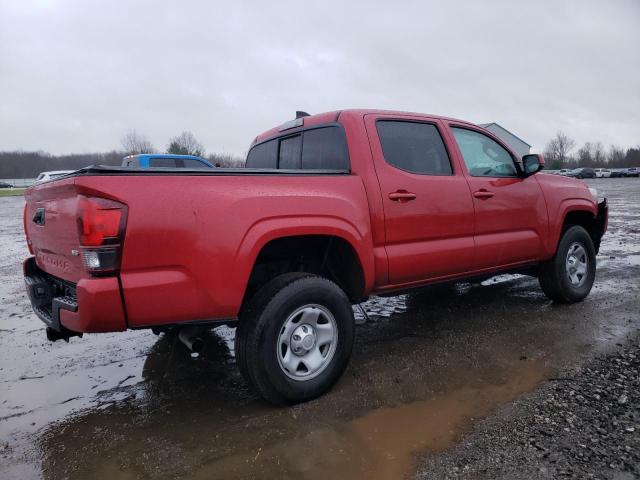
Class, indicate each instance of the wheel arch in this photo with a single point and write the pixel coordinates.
(329, 246)
(579, 212)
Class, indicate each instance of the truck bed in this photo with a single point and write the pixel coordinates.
(191, 236)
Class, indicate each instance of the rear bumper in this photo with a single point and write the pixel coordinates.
(92, 305)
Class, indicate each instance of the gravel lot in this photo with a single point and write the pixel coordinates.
(475, 381)
(582, 423)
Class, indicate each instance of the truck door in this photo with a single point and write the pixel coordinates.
(511, 214)
(427, 204)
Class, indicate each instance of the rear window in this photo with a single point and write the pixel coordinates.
(289, 155)
(323, 148)
(414, 147)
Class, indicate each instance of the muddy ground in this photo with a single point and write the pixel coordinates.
(429, 371)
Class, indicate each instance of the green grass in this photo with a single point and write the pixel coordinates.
(11, 192)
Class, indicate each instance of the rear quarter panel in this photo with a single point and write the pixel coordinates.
(191, 241)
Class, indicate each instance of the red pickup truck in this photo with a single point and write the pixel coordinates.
(330, 209)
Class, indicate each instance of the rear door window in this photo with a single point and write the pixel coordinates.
(414, 147)
(324, 149)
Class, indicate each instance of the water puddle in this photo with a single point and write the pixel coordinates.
(634, 260)
(381, 444)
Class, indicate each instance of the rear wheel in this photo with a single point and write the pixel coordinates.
(569, 275)
(295, 338)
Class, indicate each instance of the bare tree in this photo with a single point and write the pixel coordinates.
(632, 157)
(586, 155)
(559, 149)
(185, 144)
(599, 157)
(616, 156)
(133, 143)
(226, 160)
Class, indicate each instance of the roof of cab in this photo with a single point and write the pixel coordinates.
(329, 117)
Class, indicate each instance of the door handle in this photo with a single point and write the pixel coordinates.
(402, 196)
(483, 194)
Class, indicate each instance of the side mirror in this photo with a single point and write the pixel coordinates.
(532, 163)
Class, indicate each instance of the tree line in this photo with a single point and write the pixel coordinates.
(20, 164)
(561, 152)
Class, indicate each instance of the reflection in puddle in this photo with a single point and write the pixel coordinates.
(634, 260)
(380, 444)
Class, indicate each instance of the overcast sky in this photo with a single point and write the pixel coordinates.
(75, 75)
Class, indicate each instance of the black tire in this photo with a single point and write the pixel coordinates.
(553, 274)
(262, 323)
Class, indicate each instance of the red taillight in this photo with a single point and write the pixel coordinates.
(101, 221)
(101, 224)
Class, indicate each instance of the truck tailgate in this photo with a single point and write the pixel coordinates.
(51, 225)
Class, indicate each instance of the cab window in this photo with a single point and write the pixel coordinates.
(263, 155)
(321, 148)
(289, 155)
(482, 155)
(414, 147)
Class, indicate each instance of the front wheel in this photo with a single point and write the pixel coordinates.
(295, 338)
(569, 275)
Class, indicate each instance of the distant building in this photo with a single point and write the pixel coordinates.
(514, 142)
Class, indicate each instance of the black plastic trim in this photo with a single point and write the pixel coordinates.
(41, 288)
(212, 322)
(106, 170)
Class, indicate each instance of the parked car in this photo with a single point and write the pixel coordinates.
(582, 173)
(618, 172)
(5, 185)
(564, 171)
(332, 208)
(632, 172)
(46, 176)
(165, 160)
(602, 172)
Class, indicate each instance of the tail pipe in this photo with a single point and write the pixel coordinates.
(192, 338)
(62, 334)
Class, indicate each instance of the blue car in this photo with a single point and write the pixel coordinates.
(167, 160)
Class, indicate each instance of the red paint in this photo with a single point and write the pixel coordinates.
(190, 242)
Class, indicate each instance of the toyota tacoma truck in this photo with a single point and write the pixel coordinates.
(329, 209)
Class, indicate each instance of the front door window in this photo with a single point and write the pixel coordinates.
(483, 156)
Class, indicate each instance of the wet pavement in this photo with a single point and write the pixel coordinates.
(426, 366)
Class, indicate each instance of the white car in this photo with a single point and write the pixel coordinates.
(45, 176)
(602, 172)
(563, 171)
